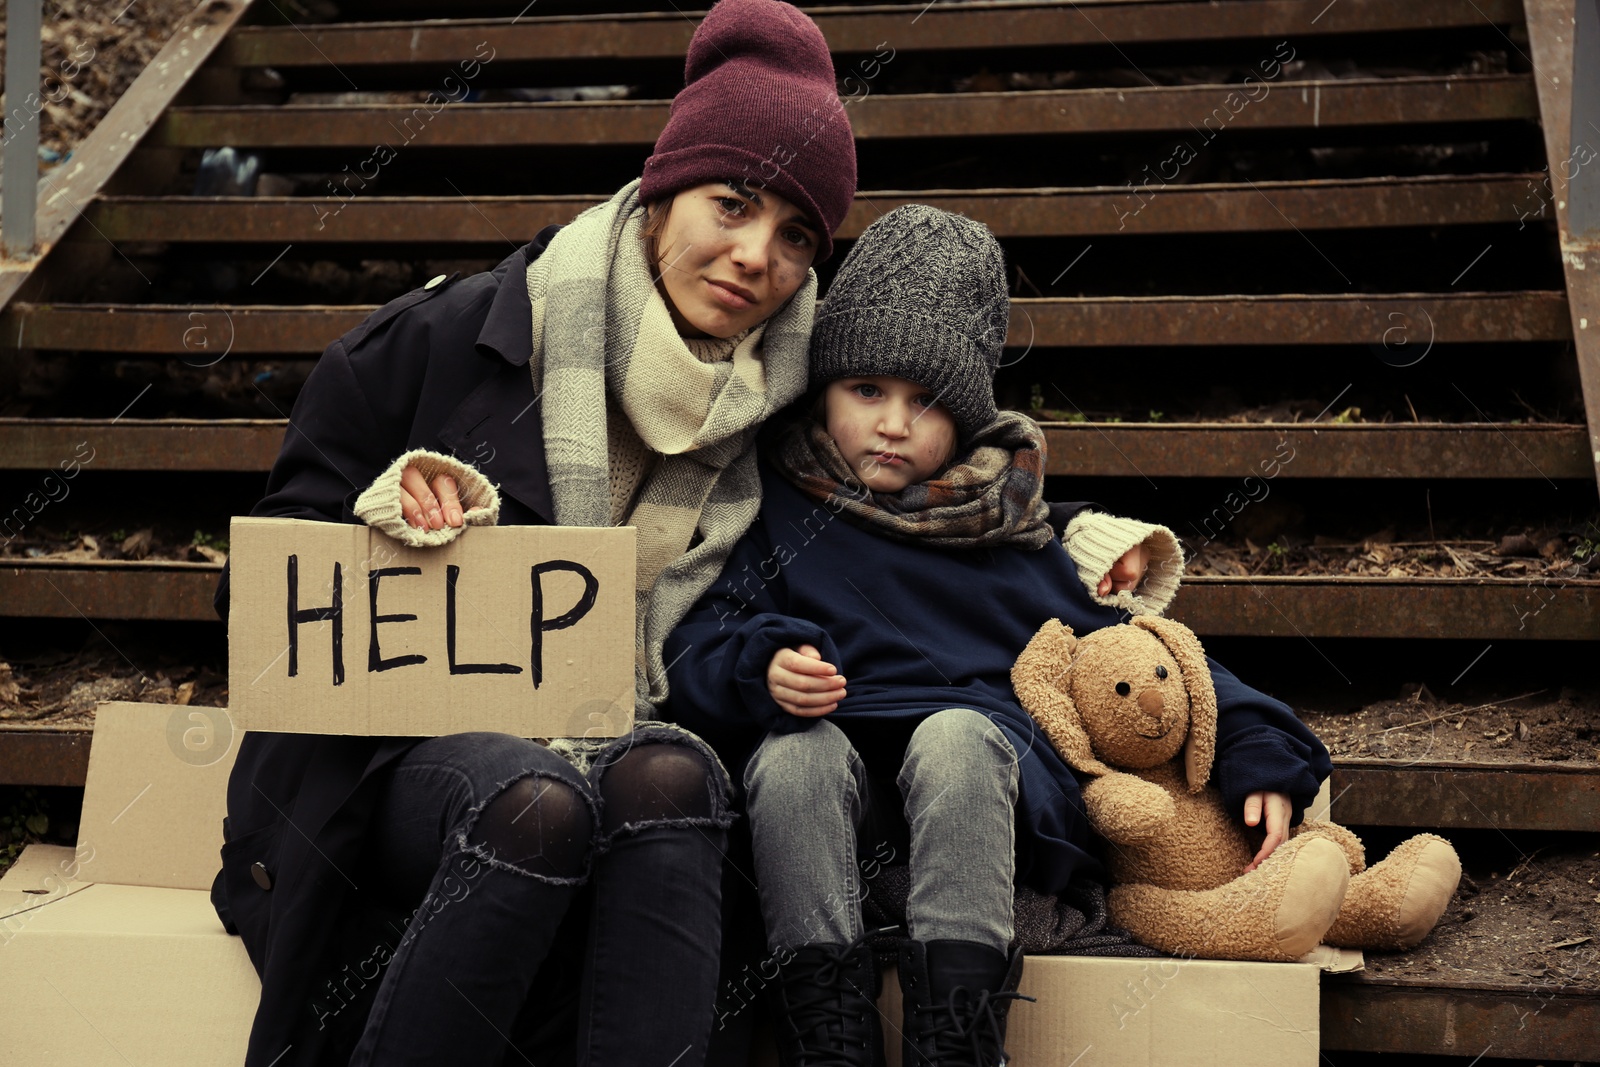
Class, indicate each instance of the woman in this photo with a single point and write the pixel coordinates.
(431, 900)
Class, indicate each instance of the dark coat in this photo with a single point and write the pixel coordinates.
(917, 629)
(443, 368)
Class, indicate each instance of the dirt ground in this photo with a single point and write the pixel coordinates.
(90, 53)
(1544, 725)
(1530, 923)
(119, 543)
(62, 691)
(1531, 553)
(1221, 405)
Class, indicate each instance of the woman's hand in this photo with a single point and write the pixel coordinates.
(1278, 809)
(802, 684)
(429, 508)
(1125, 573)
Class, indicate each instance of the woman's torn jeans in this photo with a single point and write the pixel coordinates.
(552, 900)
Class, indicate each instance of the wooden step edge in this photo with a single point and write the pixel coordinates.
(1551, 1024)
(1424, 319)
(914, 28)
(1442, 608)
(1100, 449)
(36, 756)
(1009, 213)
(1440, 796)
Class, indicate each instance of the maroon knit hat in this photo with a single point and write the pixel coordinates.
(760, 104)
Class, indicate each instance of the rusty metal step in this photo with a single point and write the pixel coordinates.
(1536, 315)
(1439, 318)
(108, 590)
(1541, 1022)
(1458, 608)
(1213, 208)
(942, 28)
(143, 444)
(1460, 795)
(1323, 450)
(1298, 105)
(44, 756)
(1437, 796)
(1487, 608)
(1156, 450)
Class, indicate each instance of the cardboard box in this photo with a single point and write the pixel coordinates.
(113, 975)
(156, 795)
(120, 974)
(143, 974)
(1095, 1010)
(526, 630)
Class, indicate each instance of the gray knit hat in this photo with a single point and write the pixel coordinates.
(921, 296)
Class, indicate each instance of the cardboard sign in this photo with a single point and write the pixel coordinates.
(339, 629)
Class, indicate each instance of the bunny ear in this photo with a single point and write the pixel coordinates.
(1201, 745)
(1040, 679)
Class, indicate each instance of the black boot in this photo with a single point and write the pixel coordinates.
(957, 995)
(825, 1008)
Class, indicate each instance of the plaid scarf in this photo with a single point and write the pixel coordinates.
(600, 326)
(992, 495)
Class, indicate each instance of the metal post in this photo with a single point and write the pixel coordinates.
(1583, 193)
(19, 183)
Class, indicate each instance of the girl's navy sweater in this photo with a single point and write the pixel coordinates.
(915, 630)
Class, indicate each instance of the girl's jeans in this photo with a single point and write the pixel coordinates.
(810, 794)
(500, 838)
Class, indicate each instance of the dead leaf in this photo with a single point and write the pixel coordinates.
(137, 544)
(9, 688)
(1463, 566)
(184, 694)
(209, 553)
(1522, 731)
(1516, 545)
(1569, 942)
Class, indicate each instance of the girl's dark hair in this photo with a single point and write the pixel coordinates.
(655, 224)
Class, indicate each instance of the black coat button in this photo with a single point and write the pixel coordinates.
(259, 872)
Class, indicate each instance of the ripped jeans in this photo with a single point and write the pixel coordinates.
(551, 901)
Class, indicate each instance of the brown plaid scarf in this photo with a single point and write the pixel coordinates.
(992, 495)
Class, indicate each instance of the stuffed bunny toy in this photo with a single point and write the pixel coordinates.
(1132, 710)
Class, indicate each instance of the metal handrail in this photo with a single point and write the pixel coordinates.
(19, 193)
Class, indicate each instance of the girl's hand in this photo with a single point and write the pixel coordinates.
(1279, 809)
(425, 508)
(802, 684)
(1125, 573)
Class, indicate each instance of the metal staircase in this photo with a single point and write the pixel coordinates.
(1283, 198)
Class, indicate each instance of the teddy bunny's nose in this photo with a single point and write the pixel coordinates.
(1151, 704)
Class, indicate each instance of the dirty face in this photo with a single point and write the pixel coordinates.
(1130, 696)
(729, 256)
(891, 431)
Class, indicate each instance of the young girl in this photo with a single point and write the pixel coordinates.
(863, 633)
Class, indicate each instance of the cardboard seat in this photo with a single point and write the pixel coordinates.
(117, 974)
(120, 960)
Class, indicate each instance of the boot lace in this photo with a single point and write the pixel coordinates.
(966, 1029)
(827, 1015)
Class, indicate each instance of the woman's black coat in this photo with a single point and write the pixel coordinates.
(443, 368)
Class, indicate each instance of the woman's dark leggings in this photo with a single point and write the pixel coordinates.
(498, 838)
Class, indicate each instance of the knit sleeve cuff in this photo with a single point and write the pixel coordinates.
(379, 505)
(1096, 540)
